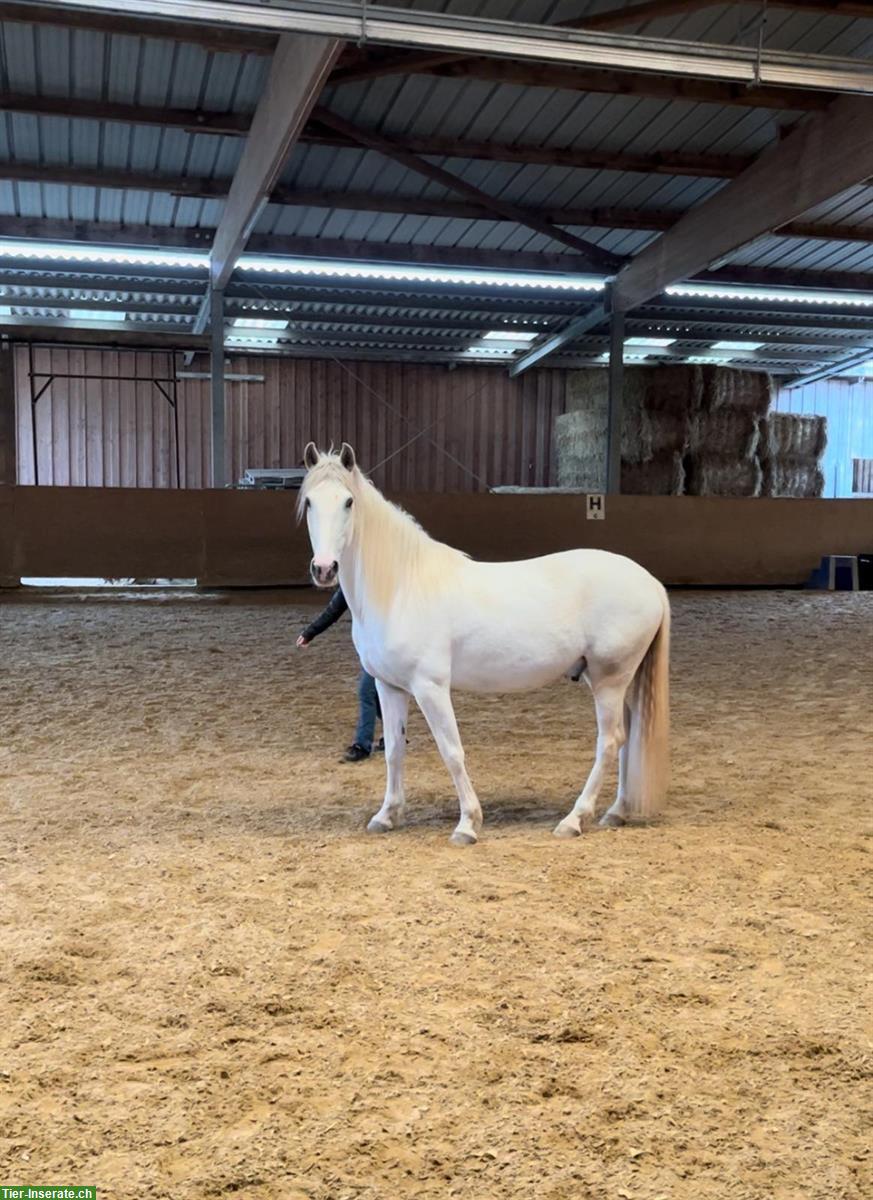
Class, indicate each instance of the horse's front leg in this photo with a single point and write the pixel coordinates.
(435, 702)
(395, 711)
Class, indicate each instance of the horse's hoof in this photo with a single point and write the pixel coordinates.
(377, 826)
(463, 839)
(567, 831)
(612, 821)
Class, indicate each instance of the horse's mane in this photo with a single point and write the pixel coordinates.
(393, 551)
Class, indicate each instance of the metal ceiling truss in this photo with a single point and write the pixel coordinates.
(454, 33)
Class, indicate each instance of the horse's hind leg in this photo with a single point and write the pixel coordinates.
(615, 814)
(436, 704)
(395, 711)
(609, 696)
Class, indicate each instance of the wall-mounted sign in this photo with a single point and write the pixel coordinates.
(595, 508)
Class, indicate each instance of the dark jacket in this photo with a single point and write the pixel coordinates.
(334, 610)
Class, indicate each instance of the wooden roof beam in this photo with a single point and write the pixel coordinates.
(626, 83)
(825, 155)
(236, 124)
(193, 120)
(298, 70)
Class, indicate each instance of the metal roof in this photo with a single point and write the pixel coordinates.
(156, 74)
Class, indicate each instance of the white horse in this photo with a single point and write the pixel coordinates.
(426, 618)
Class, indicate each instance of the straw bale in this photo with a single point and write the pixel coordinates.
(714, 475)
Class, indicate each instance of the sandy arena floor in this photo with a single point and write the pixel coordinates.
(213, 982)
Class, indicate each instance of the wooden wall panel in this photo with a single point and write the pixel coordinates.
(431, 429)
(251, 538)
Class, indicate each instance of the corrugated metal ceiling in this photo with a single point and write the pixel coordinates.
(148, 72)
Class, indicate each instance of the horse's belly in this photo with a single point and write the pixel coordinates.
(478, 666)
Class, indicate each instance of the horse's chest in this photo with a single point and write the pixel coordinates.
(385, 658)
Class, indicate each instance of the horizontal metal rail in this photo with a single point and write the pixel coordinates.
(451, 32)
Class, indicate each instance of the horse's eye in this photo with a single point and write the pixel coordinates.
(349, 502)
(306, 504)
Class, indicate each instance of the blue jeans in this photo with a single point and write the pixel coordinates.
(368, 711)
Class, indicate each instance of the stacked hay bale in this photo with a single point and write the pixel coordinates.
(581, 432)
(791, 449)
(658, 406)
(671, 397)
(723, 456)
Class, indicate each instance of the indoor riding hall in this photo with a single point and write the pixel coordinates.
(566, 276)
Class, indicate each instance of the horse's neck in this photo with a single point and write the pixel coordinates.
(376, 562)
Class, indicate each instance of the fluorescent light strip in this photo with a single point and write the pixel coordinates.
(68, 252)
(649, 341)
(604, 357)
(789, 295)
(130, 256)
(745, 347)
(470, 277)
(720, 360)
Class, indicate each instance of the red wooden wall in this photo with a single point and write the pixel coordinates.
(439, 429)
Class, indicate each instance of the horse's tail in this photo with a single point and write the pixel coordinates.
(648, 746)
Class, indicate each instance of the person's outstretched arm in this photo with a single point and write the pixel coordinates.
(334, 610)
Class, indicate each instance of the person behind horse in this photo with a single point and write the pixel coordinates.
(368, 699)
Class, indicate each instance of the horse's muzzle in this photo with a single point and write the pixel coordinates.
(324, 575)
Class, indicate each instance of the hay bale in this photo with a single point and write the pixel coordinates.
(580, 450)
(590, 395)
(673, 389)
(728, 387)
(645, 433)
(726, 432)
(714, 475)
(668, 432)
(636, 427)
(586, 390)
(790, 435)
(661, 476)
(796, 478)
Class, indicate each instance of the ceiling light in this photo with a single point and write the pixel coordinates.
(604, 357)
(97, 254)
(258, 323)
(731, 291)
(714, 359)
(466, 277)
(737, 346)
(93, 314)
(509, 335)
(649, 341)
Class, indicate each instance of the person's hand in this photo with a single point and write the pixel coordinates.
(301, 641)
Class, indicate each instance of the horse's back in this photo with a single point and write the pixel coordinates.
(521, 624)
(584, 574)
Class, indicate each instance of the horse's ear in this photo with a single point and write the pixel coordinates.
(347, 457)
(310, 456)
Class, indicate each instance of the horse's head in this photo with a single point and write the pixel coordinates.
(327, 498)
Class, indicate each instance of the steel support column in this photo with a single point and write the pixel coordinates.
(616, 403)
(216, 331)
